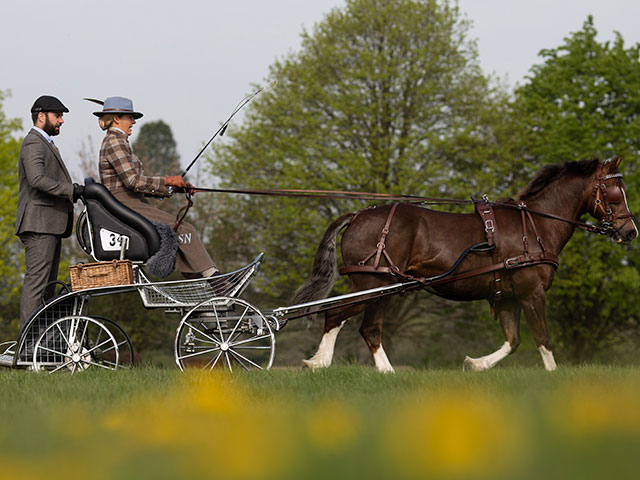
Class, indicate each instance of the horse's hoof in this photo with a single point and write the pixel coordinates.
(311, 365)
(470, 364)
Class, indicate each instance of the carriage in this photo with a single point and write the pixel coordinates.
(217, 328)
(489, 258)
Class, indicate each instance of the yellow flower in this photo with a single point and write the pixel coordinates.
(458, 433)
(332, 425)
(600, 408)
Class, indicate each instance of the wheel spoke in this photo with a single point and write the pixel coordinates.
(204, 334)
(226, 355)
(239, 321)
(84, 332)
(99, 335)
(215, 312)
(198, 353)
(61, 366)
(96, 347)
(89, 362)
(116, 365)
(55, 352)
(253, 347)
(64, 336)
(214, 360)
(123, 342)
(248, 340)
(238, 356)
(204, 327)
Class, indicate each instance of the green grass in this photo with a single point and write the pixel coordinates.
(342, 422)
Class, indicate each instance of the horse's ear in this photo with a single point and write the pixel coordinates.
(612, 164)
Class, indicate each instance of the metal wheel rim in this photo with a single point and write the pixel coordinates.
(125, 342)
(71, 346)
(227, 347)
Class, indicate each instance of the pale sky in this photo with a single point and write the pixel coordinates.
(189, 62)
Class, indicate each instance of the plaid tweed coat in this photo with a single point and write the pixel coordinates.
(121, 172)
(121, 169)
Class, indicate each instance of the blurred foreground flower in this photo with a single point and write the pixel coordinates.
(461, 434)
(209, 427)
(596, 408)
(333, 425)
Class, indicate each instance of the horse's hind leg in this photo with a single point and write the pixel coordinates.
(509, 314)
(371, 331)
(535, 312)
(333, 323)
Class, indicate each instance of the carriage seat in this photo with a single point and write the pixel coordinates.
(105, 223)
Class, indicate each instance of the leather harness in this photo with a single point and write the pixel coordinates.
(601, 195)
(485, 210)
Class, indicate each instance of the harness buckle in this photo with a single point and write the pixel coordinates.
(488, 226)
(511, 262)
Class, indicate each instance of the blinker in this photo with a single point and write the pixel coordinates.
(614, 194)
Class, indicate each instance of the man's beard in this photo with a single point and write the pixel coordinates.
(50, 128)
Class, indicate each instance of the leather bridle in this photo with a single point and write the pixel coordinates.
(602, 197)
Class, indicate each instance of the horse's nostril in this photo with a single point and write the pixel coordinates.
(632, 234)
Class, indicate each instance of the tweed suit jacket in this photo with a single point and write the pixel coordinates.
(45, 198)
(120, 169)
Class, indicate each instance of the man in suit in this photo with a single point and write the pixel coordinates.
(45, 203)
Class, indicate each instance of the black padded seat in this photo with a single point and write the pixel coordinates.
(108, 221)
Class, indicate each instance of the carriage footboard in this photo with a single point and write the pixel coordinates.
(189, 293)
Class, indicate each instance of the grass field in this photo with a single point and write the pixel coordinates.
(343, 422)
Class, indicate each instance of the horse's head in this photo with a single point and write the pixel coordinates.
(608, 203)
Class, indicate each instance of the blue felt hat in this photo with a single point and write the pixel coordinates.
(118, 105)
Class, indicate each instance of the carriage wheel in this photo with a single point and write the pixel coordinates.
(230, 334)
(75, 343)
(123, 341)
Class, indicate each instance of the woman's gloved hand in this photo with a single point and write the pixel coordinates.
(175, 181)
(178, 182)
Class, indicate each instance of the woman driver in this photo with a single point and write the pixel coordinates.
(121, 172)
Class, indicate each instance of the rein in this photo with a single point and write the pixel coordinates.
(341, 194)
(348, 195)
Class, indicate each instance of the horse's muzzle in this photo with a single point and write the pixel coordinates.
(631, 235)
(626, 234)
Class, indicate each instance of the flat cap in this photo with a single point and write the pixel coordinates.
(47, 103)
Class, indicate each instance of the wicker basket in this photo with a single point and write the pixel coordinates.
(102, 274)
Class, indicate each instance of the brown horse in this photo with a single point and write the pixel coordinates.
(422, 243)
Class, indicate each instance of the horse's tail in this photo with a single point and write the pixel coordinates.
(324, 272)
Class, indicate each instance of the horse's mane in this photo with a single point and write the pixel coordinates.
(550, 173)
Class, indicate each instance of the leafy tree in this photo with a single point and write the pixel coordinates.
(11, 255)
(156, 148)
(383, 96)
(583, 101)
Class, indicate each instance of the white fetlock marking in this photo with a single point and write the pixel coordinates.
(324, 355)
(488, 361)
(382, 362)
(547, 358)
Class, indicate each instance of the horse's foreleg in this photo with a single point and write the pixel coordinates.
(509, 314)
(333, 323)
(371, 331)
(535, 312)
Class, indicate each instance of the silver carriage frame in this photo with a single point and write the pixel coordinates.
(189, 298)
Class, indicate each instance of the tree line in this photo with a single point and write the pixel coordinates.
(388, 96)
